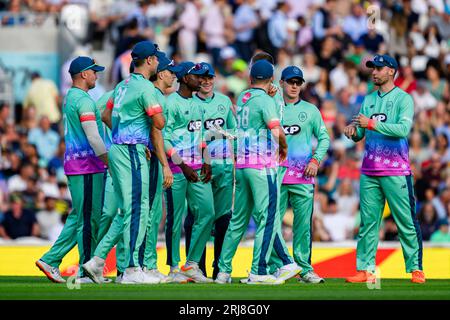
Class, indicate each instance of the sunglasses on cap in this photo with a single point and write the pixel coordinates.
(197, 67)
(380, 58)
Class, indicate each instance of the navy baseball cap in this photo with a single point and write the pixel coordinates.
(82, 64)
(184, 67)
(292, 72)
(167, 64)
(261, 69)
(382, 61)
(145, 49)
(211, 71)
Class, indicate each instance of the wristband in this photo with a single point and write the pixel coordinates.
(371, 125)
(314, 161)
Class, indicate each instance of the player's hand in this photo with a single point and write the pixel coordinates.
(167, 177)
(350, 131)
(272, 90)
(190, 174)
(282, 154)
(206, 173)
(311, 169)
(148, 155)
(361, 121)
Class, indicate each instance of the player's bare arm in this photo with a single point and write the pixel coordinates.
(107, 117)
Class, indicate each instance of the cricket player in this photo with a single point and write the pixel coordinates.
(302, 121)
(135, 114)
(184, 146)
(290, 268)
(217, 118)
(85, 160)
(163, 80)
(385, 120)
(256, 177)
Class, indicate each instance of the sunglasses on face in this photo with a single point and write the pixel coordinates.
(291, 82)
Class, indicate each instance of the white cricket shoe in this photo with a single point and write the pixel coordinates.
(84, 280)
(119, 278)
(311, 277)
(94, 269)
(288, 271)
(268, 279)
(223, 278)
(156, 273)
(133, 275)
(52, 273)
(150, 277)
(193, 271)
(176, 276)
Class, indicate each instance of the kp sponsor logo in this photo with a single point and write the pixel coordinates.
(291, 130)
(213, 123)
(379, 117)
(194, 125)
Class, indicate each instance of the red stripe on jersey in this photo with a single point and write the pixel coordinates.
(154, 110)
(87, 117)
(274, 123)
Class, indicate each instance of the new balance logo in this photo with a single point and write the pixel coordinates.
(404, 186)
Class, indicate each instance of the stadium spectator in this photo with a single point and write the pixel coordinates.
(44, 96)
(338, 224)
(18, 182)
(277, 27)
(49, 219)
(245, 21)
(442, 235)
(355, 25)
(45, 139)
(427, 219)
(18, 222)
(217, 29)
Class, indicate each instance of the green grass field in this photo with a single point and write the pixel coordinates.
(35, 288)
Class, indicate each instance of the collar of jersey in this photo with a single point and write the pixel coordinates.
(182, 96)
(207, 99)
(159, 90)
(295, 103)
(385, 94)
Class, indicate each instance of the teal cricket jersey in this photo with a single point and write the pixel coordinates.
(79, 157)
(183, 131)
(134, 102)
(302, 120)
(101, 105)
(217, 112)
(256, 115)
(387, 149)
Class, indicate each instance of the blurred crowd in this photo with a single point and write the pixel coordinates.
(329, 39)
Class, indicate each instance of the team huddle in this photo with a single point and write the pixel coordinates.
(212, 166)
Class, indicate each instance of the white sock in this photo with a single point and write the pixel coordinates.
(99, 260)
